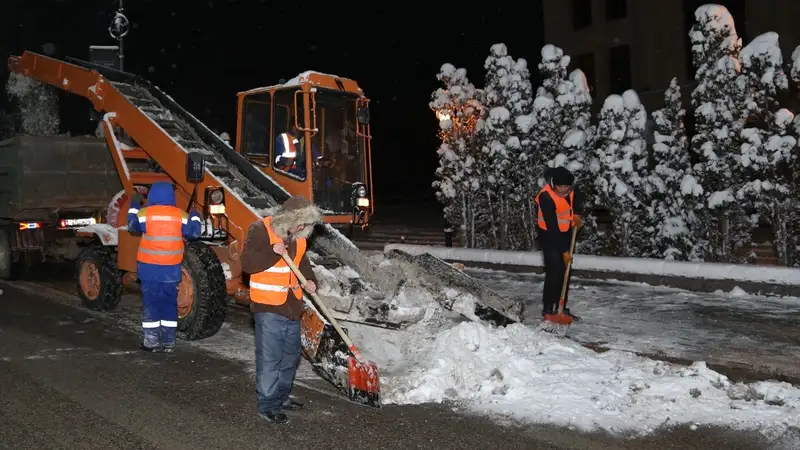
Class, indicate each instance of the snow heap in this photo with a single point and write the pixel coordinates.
(457, 182)
(622, 156)
(767, 146)
(531, 376)
(717, 101)
(37, 103)
(674, 191)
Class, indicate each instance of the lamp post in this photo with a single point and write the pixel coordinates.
(119, 28)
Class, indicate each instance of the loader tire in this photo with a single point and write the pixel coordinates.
(6, 257)
(202, 294)
(98, 279)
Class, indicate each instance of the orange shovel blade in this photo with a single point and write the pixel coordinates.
(560, 318)
(364, 385)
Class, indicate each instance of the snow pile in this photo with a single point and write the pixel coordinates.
(532, 376)
(38, 105)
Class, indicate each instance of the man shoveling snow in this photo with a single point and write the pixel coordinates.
(559, 205)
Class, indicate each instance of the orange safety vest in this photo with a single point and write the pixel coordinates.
(272, 286)
(162, 242)
(564, 210)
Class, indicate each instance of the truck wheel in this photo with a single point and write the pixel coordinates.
(202, 294)
(5, 253)
(98, 279)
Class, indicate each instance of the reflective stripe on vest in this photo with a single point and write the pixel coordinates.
(162, 242)
(272, 286)
(564, 210)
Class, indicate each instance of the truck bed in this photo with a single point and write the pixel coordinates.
(43, 175)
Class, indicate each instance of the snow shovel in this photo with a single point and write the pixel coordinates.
(560, 319)
(362, 375)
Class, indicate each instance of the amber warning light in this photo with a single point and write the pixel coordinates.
(29, 226)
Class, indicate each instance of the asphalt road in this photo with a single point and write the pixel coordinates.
(74, 379)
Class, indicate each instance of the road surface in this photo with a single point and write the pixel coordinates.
(745, 337)
(71, 378)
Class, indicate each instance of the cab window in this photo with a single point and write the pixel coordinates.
(256, 134)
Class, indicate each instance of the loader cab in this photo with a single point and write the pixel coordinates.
(312, 136)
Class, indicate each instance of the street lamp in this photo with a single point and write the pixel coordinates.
(120, 26)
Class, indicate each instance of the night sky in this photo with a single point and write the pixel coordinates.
(205, 51)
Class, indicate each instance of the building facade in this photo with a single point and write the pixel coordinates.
(642, 44)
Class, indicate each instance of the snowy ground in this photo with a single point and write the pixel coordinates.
(724, 328)
(520, 373)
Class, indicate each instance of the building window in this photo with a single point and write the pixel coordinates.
(585, 62)
(616, 9)
(581, 13)
(619, 69)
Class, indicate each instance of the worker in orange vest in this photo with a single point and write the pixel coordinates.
(559, 208)
(159, 259)
(276, 300)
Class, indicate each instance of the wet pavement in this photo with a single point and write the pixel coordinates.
(746, 337)
(71, 378)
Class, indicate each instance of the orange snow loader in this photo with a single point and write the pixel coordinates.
(151, 138)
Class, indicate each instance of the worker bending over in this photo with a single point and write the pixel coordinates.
(559, 207)
(159, 258)
(277, 300)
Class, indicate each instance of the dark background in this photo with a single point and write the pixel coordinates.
(202, 52)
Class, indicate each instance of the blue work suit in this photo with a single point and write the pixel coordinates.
(160, 282)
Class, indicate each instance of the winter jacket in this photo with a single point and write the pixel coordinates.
(257, 255)
(553, 238)
(161, 193)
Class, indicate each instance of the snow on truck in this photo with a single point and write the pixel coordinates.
(151, 138)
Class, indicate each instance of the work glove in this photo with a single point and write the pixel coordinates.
(567, 257)
(577, 222)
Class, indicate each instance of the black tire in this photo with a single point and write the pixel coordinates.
(6, 257)
(210, 303)
(104, 260)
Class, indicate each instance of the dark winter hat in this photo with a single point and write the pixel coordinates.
(560, 176)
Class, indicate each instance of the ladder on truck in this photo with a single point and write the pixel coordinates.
(165, 134)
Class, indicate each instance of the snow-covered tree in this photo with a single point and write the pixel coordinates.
(675, 194)
(519, 98)
(498, 134)
(717, 102)
(620, 183)
(796, 65)
(457, 181)
(767, 144)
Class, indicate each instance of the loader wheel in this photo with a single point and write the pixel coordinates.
(202, 294)
(98, 279)
(5, 253)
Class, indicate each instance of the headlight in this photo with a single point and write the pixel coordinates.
(361, 192)
(216, 197)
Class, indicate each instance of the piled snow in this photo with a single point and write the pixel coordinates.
(645, 266)
(530, 375)
(38, 105)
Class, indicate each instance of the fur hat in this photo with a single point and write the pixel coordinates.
(295, 211)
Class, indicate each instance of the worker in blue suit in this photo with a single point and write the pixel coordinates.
(159, 258)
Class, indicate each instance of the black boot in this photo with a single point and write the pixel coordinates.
(275, 416)
(291, 405)
(145, 348)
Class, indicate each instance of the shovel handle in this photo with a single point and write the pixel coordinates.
(323, 308)
(566, 272)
